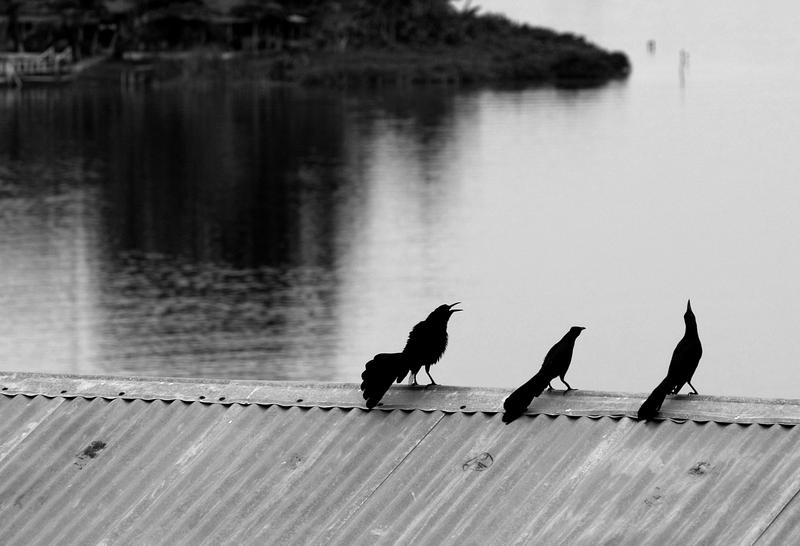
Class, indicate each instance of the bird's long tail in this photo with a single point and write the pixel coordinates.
(652, 405)
(519, 400)
(379, 374)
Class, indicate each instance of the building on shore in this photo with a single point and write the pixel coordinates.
(92, 28)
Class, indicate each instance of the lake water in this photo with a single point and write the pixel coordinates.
(276, 233)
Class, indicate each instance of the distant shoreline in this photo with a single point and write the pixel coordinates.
(488, 49)
(328, 44)
(574, 64)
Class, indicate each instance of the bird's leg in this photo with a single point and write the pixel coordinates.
(428, 371)
(567, 384)
(549, 386)
(413, 380)
(693, 389)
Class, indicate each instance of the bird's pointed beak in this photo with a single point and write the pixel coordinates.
(689, 305)
(453, 305)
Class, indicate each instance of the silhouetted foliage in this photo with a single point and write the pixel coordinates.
(360, 42)
(424, 41)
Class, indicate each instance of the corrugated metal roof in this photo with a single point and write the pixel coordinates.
(278, 463)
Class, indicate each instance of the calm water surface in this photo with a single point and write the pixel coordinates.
(275, 233)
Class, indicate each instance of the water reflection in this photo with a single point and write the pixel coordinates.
(222, 215)
(164, 315)
(288, 234)
(200, 233)
(48, 283)
(48, 245)
(248, 179)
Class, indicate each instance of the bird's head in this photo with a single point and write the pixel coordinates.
(688, 316)
(575, 331)
(443, 312)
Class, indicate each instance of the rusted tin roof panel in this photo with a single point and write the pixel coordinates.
(786, 527)
(578, 403)
(80, 469)
(20, 416)
(585, 481)
(155, 472)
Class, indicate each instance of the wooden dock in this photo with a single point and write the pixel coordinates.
(47, 67)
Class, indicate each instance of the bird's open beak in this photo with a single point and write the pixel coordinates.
(453, 305)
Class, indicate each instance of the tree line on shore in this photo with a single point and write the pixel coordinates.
(329, 42)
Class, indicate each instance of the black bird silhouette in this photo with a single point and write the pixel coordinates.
(556, 363)
(425, 346)
(685, 359)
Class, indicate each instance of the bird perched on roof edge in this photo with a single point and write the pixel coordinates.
(682, 366)
(556, 363)
(426, 344)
